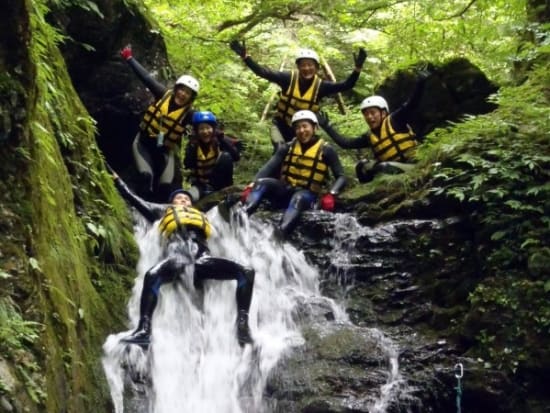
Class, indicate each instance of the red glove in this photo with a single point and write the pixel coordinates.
(327, 202)
(246, 192)
(126, 53)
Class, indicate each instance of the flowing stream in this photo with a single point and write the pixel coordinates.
(194, 363)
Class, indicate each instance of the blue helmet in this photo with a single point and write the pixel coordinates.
(204, 117)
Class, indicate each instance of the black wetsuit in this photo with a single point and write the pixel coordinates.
(268, 185)
(159, 167)
(176, 258)
(221, 174)
(283, 80)
(399, 121)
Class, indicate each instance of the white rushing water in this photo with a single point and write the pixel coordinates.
(195, 363)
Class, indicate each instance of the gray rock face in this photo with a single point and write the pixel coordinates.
(404, 285)
(453, 90)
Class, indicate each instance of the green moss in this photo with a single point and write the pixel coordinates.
(69, 254)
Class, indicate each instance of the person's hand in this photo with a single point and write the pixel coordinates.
(126, 52)
(360, 57)
(322, 118)
(238, 47)
(240, 145)
(328, 202)
(246, 192)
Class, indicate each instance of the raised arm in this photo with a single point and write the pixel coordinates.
(156, 88)
(330, 88)
(227, 145)
(343, 142)
(150, 211)
(280, 78)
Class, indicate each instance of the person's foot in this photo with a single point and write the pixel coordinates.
(243, 331)
(142, 335)
(141, 338)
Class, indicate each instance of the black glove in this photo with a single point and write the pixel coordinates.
(322, 118)
(240, 145)
(360, 57)
(238, 47)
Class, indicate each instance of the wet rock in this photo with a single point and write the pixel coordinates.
(453, 90)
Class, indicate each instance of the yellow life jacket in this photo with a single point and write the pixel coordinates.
(158, 119)
(305, 169)
(392, 145)
(291, 100)
(205, 162)
(179, 216)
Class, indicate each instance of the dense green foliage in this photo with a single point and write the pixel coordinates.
(395, 35)
(498, 167)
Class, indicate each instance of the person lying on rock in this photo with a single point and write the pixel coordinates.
(390, 137)
(156, 145)
(301, 88)
(180, 223)
(297, 175)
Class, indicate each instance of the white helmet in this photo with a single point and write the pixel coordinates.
(190, 82)
(305, 115)
(375, 102)
(307, 54)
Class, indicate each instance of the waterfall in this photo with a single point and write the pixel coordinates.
(194, 363)
(346, 232)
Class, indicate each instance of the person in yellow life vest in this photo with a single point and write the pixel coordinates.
(181, 225)
(391, 139)
(301, 89)
(155, 148)
(209, 156)
(297, 175)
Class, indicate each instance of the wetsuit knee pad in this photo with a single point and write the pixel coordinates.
(245, 279)
(249, 274)
(151, 283)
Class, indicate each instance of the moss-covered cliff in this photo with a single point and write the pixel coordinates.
(67, 249)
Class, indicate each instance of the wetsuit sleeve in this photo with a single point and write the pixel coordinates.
(347, 143)
(156, 88)
(330, 88)
(333, 161)
(402, 116)
(272, 169)
(150, 211)
(226, 145)
(280, 78)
